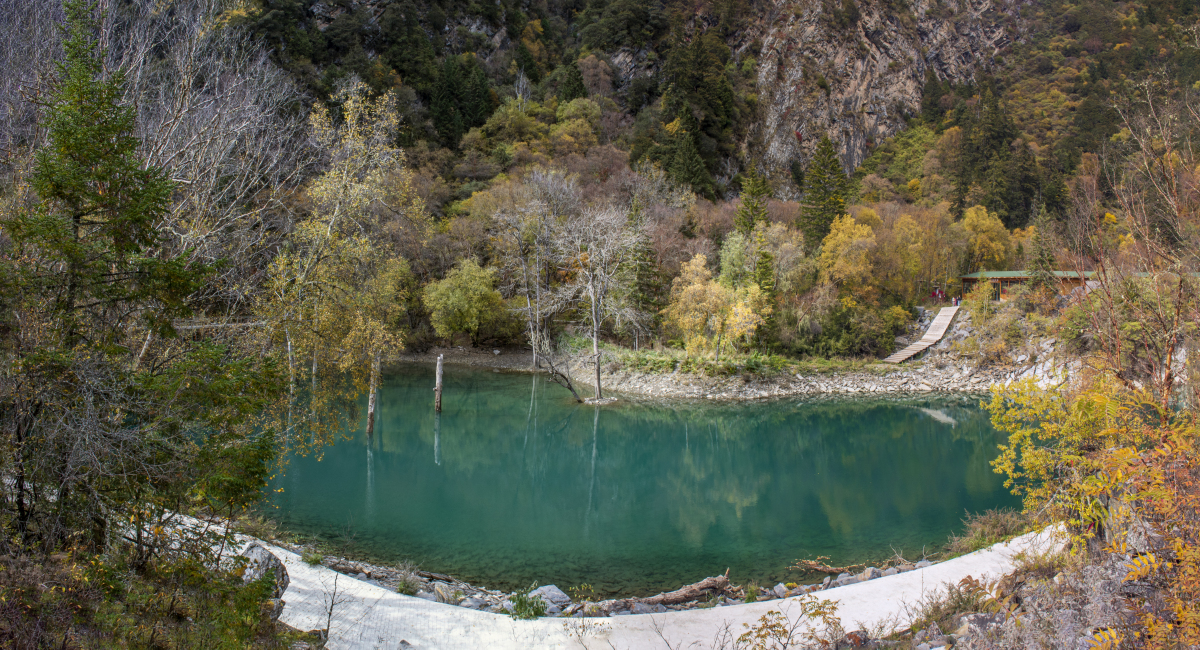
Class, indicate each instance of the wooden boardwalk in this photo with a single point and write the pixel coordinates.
(936, 330)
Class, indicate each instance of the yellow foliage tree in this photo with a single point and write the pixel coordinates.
(989, 239)
(845, 253)
(333, 294)
(710, 316)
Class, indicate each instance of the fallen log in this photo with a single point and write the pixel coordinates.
(685, 594)
(817, 566)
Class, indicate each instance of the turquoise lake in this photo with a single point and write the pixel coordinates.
(516, 483)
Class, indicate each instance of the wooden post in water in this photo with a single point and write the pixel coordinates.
(437, 388)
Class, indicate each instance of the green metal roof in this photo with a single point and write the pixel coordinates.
(1019, 275)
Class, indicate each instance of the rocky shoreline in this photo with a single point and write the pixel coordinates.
(943, 368)
(711, 592)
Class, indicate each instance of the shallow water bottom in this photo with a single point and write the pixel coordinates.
(515, 483)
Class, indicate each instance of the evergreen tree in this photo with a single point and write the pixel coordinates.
(101, 439)
(477, 99)
(572, 86)
(687, 167)
(1041, 263)
(99, 204)
(753, 208)
(764, 267)
(406, 47)
(647, 288)
(764, 277)
(526, 62)
(931, 95)
(444, 105)
(700, 85)
(684, 163)
(825, 189)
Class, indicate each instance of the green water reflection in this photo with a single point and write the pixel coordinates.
(516, 483)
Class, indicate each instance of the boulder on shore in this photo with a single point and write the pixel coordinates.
(551, 595)
(259, 563)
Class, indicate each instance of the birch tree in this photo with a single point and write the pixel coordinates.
(334, 295)
(593, 248)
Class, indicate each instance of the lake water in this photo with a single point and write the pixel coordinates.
(517, 483)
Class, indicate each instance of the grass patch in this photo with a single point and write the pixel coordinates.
(670, 360)
(751, 592)
(409, 582)
(985, 529)
(256, 526)
(942, 606)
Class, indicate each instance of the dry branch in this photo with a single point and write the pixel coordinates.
(817, 566)
(697, 591)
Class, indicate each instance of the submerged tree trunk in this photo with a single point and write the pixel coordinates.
(437, 387)
(372, 391)
(596, 338)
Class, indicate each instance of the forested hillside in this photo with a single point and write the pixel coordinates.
(221, 220)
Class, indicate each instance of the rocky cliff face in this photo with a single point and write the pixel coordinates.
(820, 73)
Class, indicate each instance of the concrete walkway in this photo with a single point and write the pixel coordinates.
(937, 329)
(365, 616)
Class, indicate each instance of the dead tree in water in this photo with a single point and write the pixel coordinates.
(556, 367)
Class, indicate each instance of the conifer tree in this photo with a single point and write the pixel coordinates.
(477, 99)
(99, 204)
(931, 95)
(572, 86)
(753, 208)
(444, 106)
(686, 165)
(825, 189)
(1041, 263)
(103, 438)
(764, 277)
(646, 289)
(526, 62)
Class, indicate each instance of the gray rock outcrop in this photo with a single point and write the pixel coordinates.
(261, 562)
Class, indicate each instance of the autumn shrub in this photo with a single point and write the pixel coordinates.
(526, 607)
(941, 606)
(1124, 474)
(79, 600)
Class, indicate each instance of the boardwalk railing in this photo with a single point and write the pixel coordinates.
(936, 330)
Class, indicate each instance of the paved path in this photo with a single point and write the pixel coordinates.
(936, 330)
(367, 617)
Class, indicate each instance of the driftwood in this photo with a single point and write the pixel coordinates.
(817, 566)
(685, 594)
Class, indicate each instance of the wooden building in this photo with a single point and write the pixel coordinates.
(1003, 282)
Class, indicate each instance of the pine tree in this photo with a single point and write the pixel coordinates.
(646, 291)
(764, 268)
(687, 167)
(526, 62)
(931, 96)
(572, 86)
(444, 106)
(96, 222)
(477, 99)
(753, 208)
(825, 189)
(764, 277)
(1041, 263)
